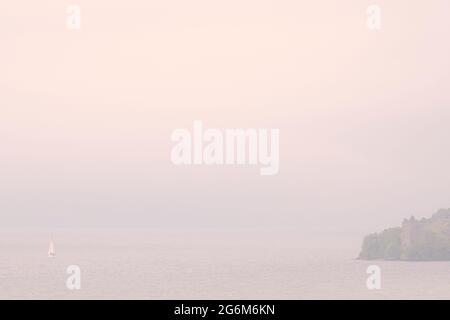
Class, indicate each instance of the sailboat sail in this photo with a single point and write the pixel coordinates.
(51, 250)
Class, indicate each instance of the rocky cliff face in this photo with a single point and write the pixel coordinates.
(427, 239)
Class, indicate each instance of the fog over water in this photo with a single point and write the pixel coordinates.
(205, 264)
(86, 119)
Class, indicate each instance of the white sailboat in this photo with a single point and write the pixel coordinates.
(51, 250)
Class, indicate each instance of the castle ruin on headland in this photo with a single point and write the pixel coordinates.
(425, 239)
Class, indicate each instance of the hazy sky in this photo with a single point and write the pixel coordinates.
(86, 116)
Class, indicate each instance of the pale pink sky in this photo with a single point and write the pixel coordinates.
(86, 117)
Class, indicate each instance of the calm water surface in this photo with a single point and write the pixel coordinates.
(158, 264)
